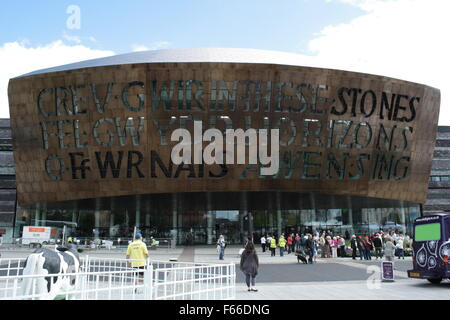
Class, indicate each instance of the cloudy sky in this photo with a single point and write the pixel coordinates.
(405, 39)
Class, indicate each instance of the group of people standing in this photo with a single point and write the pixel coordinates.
(387, 245)
(310, 245)
(302, 244)
(330, 246)
(271, 243)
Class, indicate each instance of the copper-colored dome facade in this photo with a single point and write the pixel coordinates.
(101, 128)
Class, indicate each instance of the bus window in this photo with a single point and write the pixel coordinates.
(427, 232)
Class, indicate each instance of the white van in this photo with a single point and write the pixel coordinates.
(39, 236)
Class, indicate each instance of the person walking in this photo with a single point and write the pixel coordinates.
(221, 246)
(263, 243)
(354, 246)
(378, 244)
(389, 249)
(137, 252)
(249, 265)
(282, 244)
(273, 246)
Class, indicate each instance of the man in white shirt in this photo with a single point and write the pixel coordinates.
(263, 243)
(399, 247)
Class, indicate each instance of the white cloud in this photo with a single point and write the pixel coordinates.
(154, 46)
(17, 58)
(405, 39)
(71, 38)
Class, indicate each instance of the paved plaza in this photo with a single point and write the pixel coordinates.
(282, 278)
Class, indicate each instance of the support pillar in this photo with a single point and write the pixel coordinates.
(97, 218)
(112, 232)
(44, 215)
(279, 218)
(37, 215)
(147, 213)
(209, 220)
(242, 213)
(138, 211)
(174, 230)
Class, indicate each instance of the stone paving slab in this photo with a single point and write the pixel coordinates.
(413, 289)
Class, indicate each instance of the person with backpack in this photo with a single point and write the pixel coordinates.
(249, 265)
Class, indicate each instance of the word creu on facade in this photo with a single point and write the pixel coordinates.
(105, 131)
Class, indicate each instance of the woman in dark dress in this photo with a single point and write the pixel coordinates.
(249, 265)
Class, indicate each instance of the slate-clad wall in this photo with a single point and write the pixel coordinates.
(438, 198)
(7, 177)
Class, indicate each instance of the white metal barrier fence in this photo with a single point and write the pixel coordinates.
(115, 279)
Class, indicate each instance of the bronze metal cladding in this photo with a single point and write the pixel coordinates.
(105, 131)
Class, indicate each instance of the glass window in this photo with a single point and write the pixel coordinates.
(427, 232)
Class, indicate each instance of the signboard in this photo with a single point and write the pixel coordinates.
(387, 271)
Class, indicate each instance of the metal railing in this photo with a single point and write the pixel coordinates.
(205, 282)
(115, 279)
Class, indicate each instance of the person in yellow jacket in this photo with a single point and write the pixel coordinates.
(282, 244)
(137, 252)
(273, 246)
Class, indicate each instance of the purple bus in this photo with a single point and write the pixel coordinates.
(431, 248)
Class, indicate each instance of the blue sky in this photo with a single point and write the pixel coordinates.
(118, 25)
(405, 39)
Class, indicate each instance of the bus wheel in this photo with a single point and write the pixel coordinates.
(435, 280)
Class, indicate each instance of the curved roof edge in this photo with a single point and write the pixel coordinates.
(226, 55)
(211, 55)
